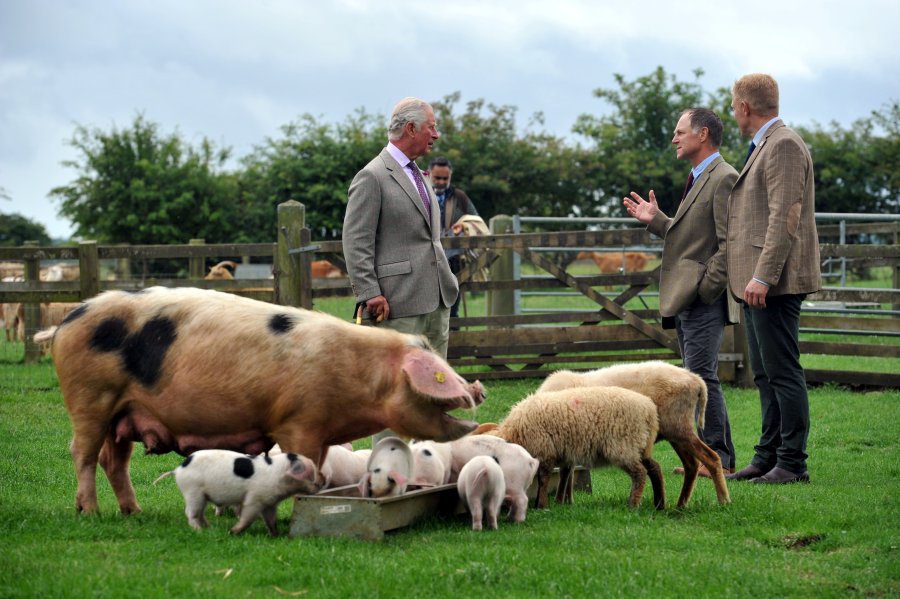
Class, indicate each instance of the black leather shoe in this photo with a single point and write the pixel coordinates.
(780, 476)
(747, 473)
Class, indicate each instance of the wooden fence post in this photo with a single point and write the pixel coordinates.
(89, 269)
(896, 268)
(291, 221)
(501, 302)
(123, 266)
(196, 264)
(32, 311)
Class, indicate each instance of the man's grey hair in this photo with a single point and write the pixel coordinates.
(408, 110)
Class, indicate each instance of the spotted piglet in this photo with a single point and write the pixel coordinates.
(431, 463)
(254, 485)
(482, 487)
(388, 469)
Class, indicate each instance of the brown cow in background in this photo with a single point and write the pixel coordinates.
(612, 262)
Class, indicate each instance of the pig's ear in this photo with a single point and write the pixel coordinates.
(364, 485)
(431, 376)
(301, 471)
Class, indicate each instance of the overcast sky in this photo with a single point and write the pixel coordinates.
(235, 71)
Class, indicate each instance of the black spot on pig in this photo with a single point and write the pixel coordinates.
(281, 324)
(109, 335)
(74, 314)
(144, 352)
(243, 467)
(187, 461)
(268, 459)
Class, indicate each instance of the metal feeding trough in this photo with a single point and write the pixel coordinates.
(341, 512)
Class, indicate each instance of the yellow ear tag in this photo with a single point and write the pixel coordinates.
(439, 377)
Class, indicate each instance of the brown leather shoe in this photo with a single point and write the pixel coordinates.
(780, 476)
(746, 473)
(702, 471)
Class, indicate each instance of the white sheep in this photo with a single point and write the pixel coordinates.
(679, 395)
(591, 426)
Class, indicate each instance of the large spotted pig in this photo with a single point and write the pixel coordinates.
(253, 485)
(188, 369)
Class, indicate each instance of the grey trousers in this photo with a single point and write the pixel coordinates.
(773, 338)
(700, 329)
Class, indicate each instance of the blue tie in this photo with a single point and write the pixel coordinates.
(750, 151)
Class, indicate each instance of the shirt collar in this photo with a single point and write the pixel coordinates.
(762, 130)
(698, 170)
(397, 154)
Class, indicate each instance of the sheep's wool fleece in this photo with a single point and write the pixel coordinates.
(677, 392)
(584, 425)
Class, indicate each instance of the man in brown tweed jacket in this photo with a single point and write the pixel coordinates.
(692, 278)
(772, 261)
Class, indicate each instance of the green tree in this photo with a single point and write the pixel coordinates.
(16, 229)
(312, 163)
(139, 186)
(507, 172)
(632, 145)
(857, 169)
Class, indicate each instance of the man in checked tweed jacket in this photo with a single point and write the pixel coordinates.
(772, 257)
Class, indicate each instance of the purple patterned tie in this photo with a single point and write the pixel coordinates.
(420, 185)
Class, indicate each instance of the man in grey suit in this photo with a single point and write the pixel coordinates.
(692, 278)
(391, 236)
(772, 263)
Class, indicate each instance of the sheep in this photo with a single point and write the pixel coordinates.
(678, 394)
(592, 426)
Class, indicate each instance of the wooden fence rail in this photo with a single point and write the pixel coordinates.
(503, 344)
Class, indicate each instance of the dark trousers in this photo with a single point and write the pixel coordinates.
(700, 328)
(455, 267)
(773, 338)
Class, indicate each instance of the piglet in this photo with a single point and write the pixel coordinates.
(519, 467)
(387, 470)
(482, 487)
(343, 466)
(255, 485)
(431, 463)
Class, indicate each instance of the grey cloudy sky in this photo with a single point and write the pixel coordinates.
(235, 71)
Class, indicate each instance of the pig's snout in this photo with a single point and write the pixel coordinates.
(477, 393)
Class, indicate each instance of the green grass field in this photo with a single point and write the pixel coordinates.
(835, 537)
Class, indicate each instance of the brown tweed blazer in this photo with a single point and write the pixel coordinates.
(693, 260)
(771, 218)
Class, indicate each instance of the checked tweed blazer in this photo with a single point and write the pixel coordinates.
(771, 218)
(390, 247)
(693, 261)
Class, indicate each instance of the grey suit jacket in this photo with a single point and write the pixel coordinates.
(771, 218)
(693, 260)
(390, 247)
